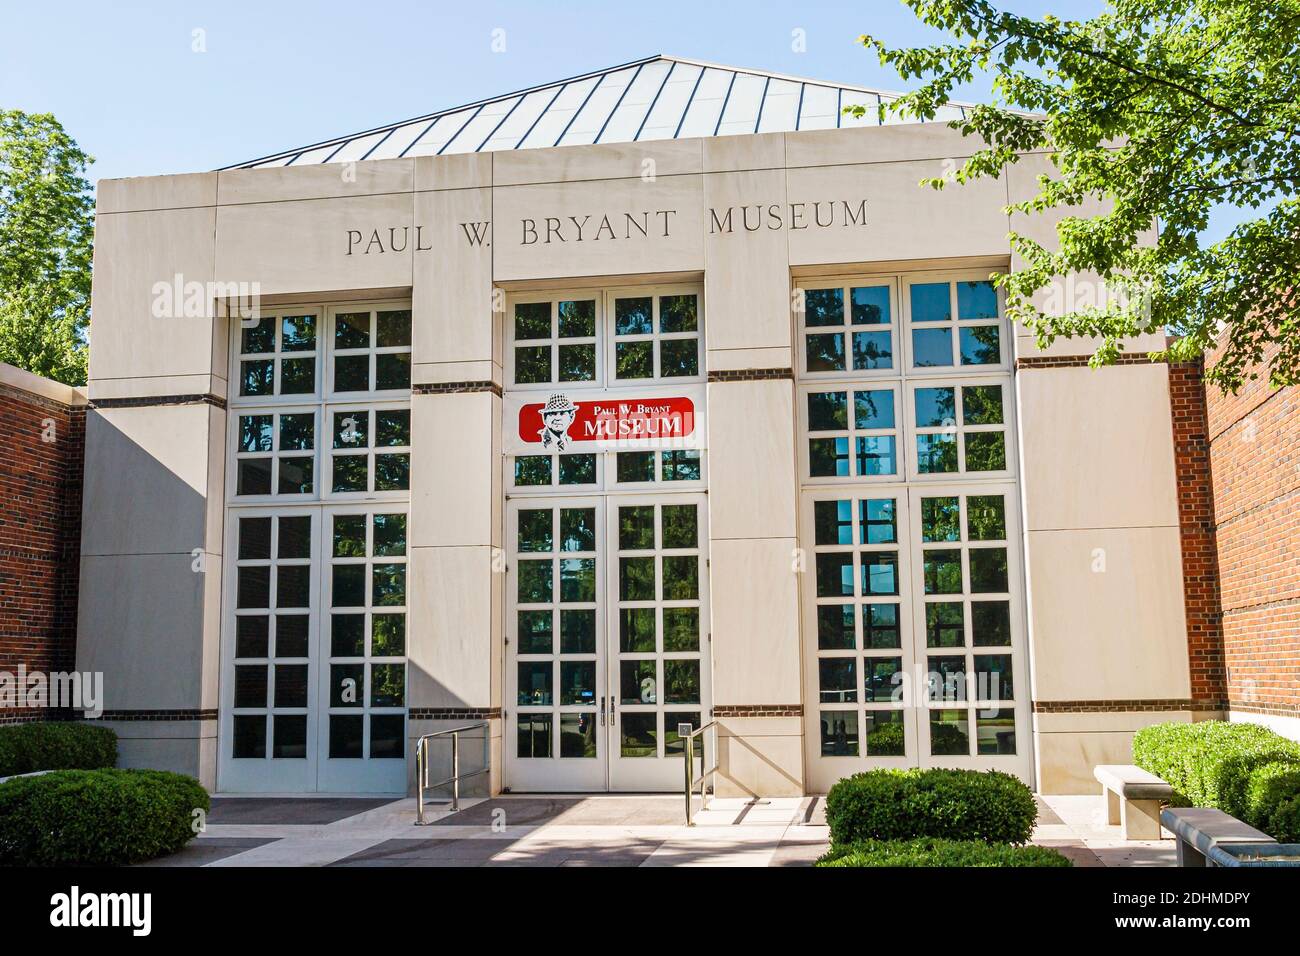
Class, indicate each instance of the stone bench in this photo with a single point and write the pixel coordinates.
(1131, 798)
(1197, 829)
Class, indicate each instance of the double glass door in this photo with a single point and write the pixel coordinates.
(607, 640)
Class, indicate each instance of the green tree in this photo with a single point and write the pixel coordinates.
(1163, 108)
(46, 235)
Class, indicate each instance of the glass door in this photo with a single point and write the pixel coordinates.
(607, 640)
(556, 736)
(658, 635)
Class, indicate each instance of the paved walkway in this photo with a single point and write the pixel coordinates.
(601, 830)
(1077, 827)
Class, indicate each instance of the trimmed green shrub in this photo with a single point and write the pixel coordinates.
(929, 851)
(954, 804)
(97, 817)
(1245, 770)
(26, 748)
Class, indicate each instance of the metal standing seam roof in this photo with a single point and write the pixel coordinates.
(659, 97)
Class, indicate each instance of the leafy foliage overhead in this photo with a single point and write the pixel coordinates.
(1163, 110)
(46, 233)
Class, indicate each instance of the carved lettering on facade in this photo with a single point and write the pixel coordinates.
(646, 224)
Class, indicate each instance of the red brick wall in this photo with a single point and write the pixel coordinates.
(40, 535)
(1255, 457)
(1201, 595)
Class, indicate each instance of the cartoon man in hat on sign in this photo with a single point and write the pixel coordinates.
(557, 416)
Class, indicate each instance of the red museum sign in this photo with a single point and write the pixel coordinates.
(612, 420)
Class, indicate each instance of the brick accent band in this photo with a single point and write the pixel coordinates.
(456, 388)
(152, 401)
(752, 375)
(27, 715)
(1080, 361)
(156, 715)
(454, 713)
(758, 710)
(1124, 706)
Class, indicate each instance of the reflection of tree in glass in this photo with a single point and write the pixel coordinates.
(636, 527)
(577, 363)
(986, 518)
(940, 519)
(945, 405)
(936, 407)
(828, 456)
(533, 470)
(533, 364)
(871, 350)
(943, 572)
(825, 353)
(828, 411)
(936, 453)
(677, 313)
(981, 404)
(637, 579)
(885, 738)
(979, 345)
(823, 307)
(632, 316)
(946, 738)
(868, 407)
(577, 319)
(389, 584)
(985, 451)
(682, 681)
(679, 526)
(578, 529)
(387, 685)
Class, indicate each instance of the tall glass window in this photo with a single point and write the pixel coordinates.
(318, 480)
(913, 621)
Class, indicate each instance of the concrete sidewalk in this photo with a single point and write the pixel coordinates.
(1076, 825)
(579, 830)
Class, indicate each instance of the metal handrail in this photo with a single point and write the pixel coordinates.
(688, 733)
(422, 765)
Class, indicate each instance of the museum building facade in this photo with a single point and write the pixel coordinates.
(652, 397)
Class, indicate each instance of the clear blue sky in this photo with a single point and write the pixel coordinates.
(125, 82)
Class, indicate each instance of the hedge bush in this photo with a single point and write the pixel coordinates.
(26, 748)
(994, 807)
(96, 817)
(929, 851)
(1245, 770)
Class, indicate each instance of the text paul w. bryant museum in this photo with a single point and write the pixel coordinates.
(659, 395)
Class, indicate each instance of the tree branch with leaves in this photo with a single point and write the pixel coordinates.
(1162, 110)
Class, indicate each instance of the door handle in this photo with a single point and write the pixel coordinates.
(602, 712)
